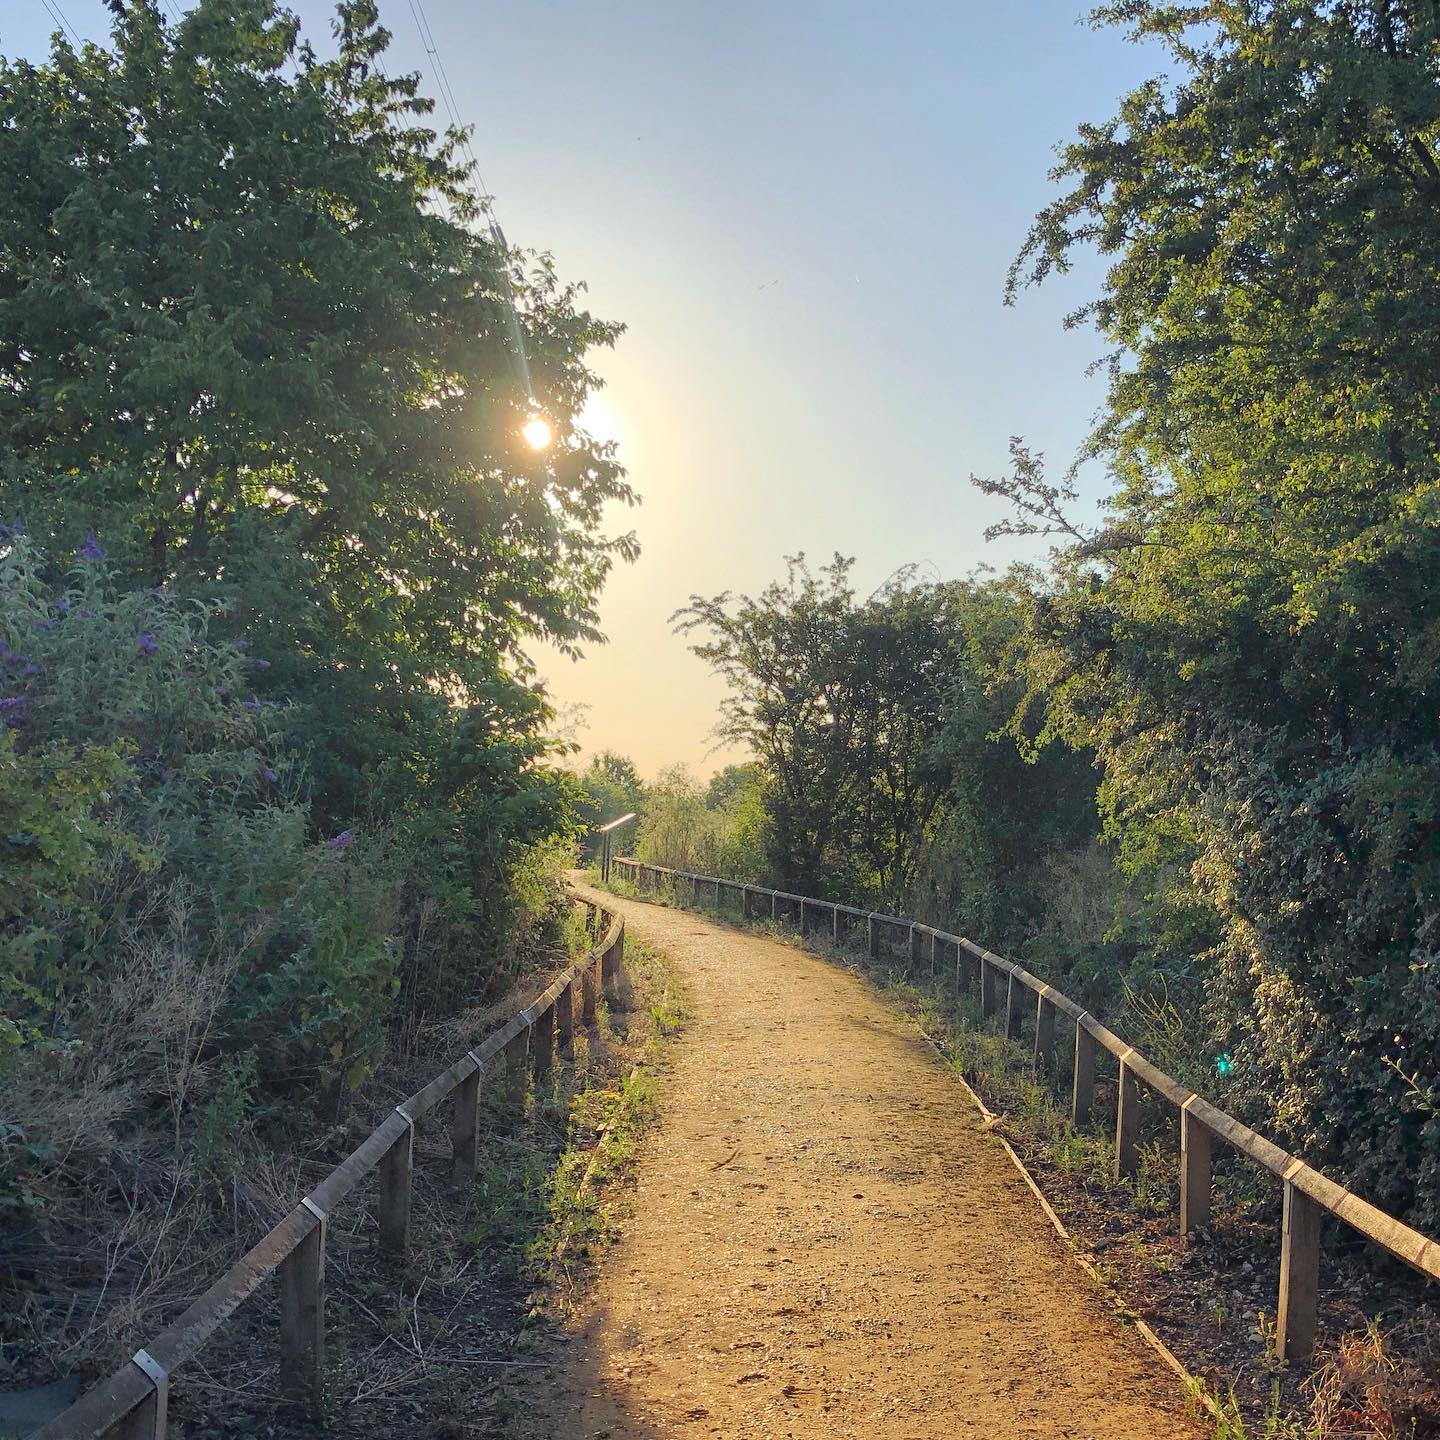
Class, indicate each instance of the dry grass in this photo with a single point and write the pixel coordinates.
(1371, 1389)
(118, 1213)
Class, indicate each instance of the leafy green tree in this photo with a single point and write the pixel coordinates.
(1012, 809)
(731, 784)
(1249, 641)
(851, 706)
(836, 711)
(256, 341)
(611, 787)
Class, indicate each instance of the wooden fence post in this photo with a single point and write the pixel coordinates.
(397, 1170)
(1127, 1123)
(565, 1021)
(515, 1059)
(746, 902)
(872, 937)
(149, 1419)
(1082, 1094)
(1045, 1034)
(1014, 997)
(989, 989)
(915, 943)
(1299, 1277)
(694, 892)
(302, 1316)
(804, 921)
(835, 932)
(542, 1045)
(611, 961)
(1195, 1172)
(774, 906)
(465, 1128)
(586, 973)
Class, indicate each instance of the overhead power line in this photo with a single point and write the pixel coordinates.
(58, 16)
(481, 191)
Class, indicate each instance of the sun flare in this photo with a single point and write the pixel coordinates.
(538, 434)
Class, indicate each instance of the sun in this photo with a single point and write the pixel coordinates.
(538, 434)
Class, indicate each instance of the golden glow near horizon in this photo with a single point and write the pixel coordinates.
(538, 434)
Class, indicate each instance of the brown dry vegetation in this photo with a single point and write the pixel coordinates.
(434, 1337)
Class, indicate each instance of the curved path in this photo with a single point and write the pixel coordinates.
(823, 1243)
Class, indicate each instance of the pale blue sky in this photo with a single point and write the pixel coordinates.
(804, 212)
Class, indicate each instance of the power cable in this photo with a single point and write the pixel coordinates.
(58, 16)
(447, 95)
(481, 191)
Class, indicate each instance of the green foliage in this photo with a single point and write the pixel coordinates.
(610, 787)
(275, 779)
(838, 700)
(880, 727)
(1248, 644)
(257, 344)
(255, 340)
(714, 830)
(135, 789)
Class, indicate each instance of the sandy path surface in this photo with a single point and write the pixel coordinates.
(823, 1242)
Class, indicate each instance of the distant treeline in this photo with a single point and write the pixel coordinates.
(1197, 753)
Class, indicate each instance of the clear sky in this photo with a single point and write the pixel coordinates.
(804, 211)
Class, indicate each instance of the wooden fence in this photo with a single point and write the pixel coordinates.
(1007, 990)
(132, 1402)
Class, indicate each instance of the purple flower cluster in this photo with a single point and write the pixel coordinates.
(90, 550)
(342, 841)
(23, 663)
(146, 643)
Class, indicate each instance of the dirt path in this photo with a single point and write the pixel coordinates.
(823, 1243)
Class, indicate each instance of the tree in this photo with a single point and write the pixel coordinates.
(838, 699)
(255, 340)
(1249, 642)
(1013, 809)
(611, 787)
(733, 783)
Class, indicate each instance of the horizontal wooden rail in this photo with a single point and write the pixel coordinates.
(133, 1401)
(1307, 1192)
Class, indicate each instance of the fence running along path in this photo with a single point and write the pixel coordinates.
(1308, 1195)
(131, 1404)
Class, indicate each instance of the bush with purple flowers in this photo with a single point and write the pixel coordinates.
(271, 754)
(133, 789)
